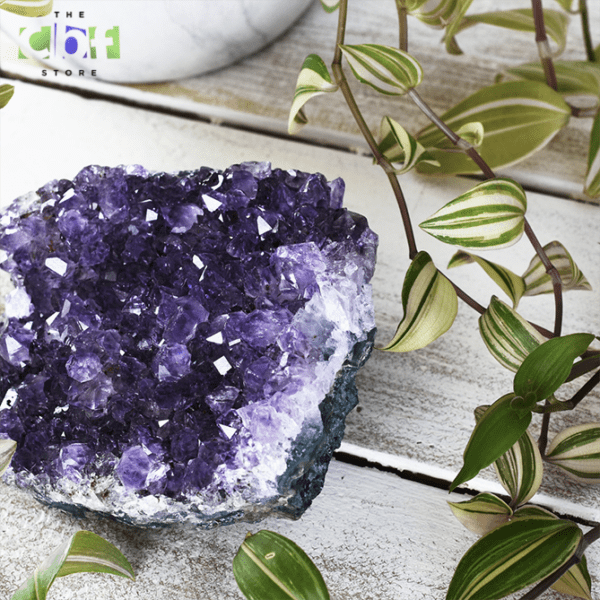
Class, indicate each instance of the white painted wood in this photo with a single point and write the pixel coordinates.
(257, 91)
(373, 535)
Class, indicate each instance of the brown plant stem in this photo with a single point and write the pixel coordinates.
(589, 538)
(402, 26)
(585, 389)
(336, 67)
(542, 43)
(553, 273)
(585, 26)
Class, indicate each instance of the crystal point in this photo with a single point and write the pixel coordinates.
(187, 343)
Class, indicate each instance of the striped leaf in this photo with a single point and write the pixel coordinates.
(430, 305)
(496, 431)
(83, 552)
(268, 565)
(388, 70)
(511, 283)
(520, 470)
(592, 178)
(547, 367)
(508, 336)
(512, 557)
(330, 5)
(27, 8)
(576, 450)
(576, 581)
(398, 146)
(519, 118)
(6, 93)
(7, 449)
(490, 215)
(566, 4)
(537, 281)
(482, 513)
(313, 80)
(556, 23)
(435, 13)
(573, 78)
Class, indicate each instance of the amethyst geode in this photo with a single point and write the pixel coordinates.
(182, 347)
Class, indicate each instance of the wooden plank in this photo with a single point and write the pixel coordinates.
(258, 90)
(374, 536)
(417, 405)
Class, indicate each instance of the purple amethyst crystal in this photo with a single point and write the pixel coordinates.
(182, 347)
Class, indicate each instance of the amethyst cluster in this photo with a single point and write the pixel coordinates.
(182, 347)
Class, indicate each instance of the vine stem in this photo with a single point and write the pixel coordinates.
(590, 537)
(585, 26)
(542, 43)
(402, 26)
(336, 67)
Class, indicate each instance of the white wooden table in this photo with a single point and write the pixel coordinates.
(374, 534)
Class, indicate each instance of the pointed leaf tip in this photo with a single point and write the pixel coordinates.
(497, 430)
(386, 69)
(7, 449)
(490, 215)
(313, 80)
(430, 306)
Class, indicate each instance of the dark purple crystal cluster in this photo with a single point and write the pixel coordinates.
(182, 347)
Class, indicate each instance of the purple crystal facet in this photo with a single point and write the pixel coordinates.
(186, 343)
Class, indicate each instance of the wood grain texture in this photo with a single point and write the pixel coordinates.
(374, 536)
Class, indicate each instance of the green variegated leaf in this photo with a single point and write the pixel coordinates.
(566, 4)
(330, 5)
(495, 433)
(512, 557)
(547, 367)
(511, 283)
(472, 133)
(398, 146)
(430, 305)
(576, 581)
(573, 78)
(388, 70)
(453, 28)
(269, 565)
(82, 552)
(519, 118)
(556, 24)
(490, 215)
(520, 470)
(592, 178)
(7, 449)
(27, 8)
(313, 80)
(482, 513)
(508, 336)
(576, 450)
(435, 13)
(6, 93)
(537, 281)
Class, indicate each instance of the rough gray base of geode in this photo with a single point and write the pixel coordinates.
(299, 485)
